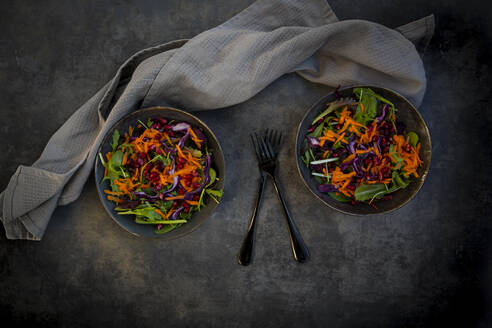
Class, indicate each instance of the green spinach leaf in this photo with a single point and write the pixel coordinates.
(367, 191)
(413, 138)
(340, 197)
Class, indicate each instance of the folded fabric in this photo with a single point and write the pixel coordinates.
(218, 68)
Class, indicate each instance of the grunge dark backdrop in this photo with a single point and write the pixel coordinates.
(427, 264)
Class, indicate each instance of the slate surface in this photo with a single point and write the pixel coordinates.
(427, 264)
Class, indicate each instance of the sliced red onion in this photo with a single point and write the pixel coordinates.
(313, 141)
(167, 193)
(180, 127)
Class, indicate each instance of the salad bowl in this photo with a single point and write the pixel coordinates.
(217, 162)
(406, 113)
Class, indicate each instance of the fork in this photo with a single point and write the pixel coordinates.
(246, 251)
(267, 150)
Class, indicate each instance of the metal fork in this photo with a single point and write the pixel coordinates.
(246, 251)
(267, 150)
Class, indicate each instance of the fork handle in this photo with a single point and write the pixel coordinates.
(246, 251)
(299, 248)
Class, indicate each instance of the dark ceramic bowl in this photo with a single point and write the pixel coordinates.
(407, 114)
(218, 163)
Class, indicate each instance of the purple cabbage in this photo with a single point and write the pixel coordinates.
(357, 169)
(345, 165)
(383, 114)
(200, 135)
(129, 204)
(166, 147)
(175, 215)
(142, 194)
(351, 147)
(327, 188)
(317, 167)
(183, 139)
(378, 145)
(206, 179)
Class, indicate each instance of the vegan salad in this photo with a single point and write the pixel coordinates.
(159, 173)
(358, 151)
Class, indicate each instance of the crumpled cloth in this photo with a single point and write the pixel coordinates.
(218, 68)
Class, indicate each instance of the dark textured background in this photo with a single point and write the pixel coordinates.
(427, 264)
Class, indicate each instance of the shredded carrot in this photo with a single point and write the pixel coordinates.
(175, 197)
(117, 200)
(125, 157)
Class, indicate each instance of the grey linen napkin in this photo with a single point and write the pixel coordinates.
(220, 67)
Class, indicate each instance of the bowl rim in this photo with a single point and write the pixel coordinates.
(105, 139)
(422, 177)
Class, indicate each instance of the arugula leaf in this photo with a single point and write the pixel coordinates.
(305, 158)
(149, 123)
(331, 107)
(367, 191)
(398, 181)
(317, 132)
(373, 94)
(366, 110)
(116, 138)
(147, 212)
(165, 206)
(101, 158)
(143, 124)
(142, 221)
(116, 159)
(115, 170)
(215, 194)
(341, 197)
(200, 200)
(185, 216)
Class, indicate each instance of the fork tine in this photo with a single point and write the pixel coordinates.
(255, 146)
(270, 146)
(266, 151)
(277, 139)
(260, 148)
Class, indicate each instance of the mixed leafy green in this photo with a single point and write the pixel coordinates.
(160, 173)
(358, 152)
